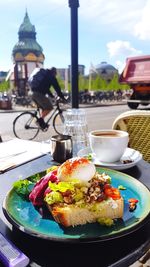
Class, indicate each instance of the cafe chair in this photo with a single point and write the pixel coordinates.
(137, 124)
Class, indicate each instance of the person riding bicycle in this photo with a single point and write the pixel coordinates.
(42, 95)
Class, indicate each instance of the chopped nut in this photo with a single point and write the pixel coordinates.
(68, 199)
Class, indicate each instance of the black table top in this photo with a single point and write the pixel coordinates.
(120, 252)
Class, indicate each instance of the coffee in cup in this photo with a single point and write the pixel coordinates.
(108, 145)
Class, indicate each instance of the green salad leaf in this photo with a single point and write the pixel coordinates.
(63, 186)
(36, 177)
(23, 187)
(53, 197)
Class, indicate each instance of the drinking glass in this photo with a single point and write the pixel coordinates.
(76, 126)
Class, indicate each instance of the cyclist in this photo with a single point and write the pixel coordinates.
(42, 95)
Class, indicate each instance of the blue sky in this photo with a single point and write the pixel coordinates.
(108, 31)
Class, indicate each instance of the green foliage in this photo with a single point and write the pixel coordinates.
(83, 83)
(95, 83)
(69, 87)
(23, 187)
(115, 85)
(98, 83)
(4, 86)
(124, 86)
(61, 82)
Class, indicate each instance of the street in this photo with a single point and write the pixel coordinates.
(97, 118)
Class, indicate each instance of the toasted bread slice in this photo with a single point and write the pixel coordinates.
(71, 215)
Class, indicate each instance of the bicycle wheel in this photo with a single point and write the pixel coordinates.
(24, 126)
(58, 123)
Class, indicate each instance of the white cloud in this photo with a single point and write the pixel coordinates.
(121, 48)
(142, 29)
(122, 14)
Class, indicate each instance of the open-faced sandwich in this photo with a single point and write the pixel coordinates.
(76, 194)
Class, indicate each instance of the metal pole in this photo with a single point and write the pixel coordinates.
(74, 4)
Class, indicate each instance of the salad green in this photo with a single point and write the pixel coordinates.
(24, 187)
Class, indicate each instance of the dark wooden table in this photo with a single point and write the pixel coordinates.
(120, 252)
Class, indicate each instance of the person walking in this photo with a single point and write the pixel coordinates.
(40, 85)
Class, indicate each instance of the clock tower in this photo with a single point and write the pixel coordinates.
(27, 54)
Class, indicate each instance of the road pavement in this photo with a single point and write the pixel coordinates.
(98, 117)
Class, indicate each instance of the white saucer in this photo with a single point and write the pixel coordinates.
(130, 154)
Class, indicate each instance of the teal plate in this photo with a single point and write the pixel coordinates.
(23, 215)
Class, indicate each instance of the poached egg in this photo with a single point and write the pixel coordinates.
(76, 168)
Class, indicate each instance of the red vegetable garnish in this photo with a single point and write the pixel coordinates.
(112, 192)
(54, 172)
(133, 200)
(38, 192)
(47, 191)
(106, 186)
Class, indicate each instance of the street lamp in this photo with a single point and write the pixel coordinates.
(74, 4)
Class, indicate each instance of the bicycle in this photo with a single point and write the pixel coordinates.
(25, 125)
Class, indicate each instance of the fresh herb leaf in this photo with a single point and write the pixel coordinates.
(89, 156)
(53, 197)
(36, 177)
(121, 187)
(23, 187)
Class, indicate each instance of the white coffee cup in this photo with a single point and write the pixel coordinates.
(108, 145)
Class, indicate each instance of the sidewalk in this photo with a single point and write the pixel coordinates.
(19, 108)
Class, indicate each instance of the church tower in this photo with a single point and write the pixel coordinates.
(27, 54)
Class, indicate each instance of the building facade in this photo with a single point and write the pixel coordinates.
(27, 55)
(65, 74)
(104, 69)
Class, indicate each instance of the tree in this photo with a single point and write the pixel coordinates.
(98, 83)
(4, 86)
(115, 85)
(83, 83)
(61, 82)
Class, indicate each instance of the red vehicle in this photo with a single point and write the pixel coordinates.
(137, 74)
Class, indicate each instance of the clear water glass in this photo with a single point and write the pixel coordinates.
(76, 126)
